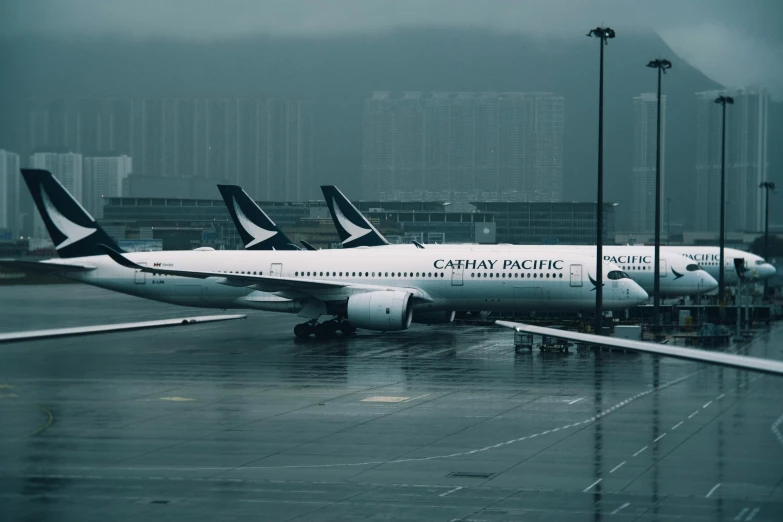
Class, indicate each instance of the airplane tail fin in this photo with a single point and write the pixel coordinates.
(257, 230)
(73, 230)
(354, 229)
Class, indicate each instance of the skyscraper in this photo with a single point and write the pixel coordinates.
(67, 168)
(746, 159)
(103, 176)
(262, 143)
(645, 110)
(9, 189)
(463, 146)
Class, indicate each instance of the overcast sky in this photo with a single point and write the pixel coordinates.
(735, 42)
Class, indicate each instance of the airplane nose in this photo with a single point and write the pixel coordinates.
(707, 283)
(768, 270)
(638, 295)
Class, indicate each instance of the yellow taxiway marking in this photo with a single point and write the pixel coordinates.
(8, 395)
(176, 399)
(5, 386)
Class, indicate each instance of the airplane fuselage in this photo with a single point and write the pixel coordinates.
(465, 279)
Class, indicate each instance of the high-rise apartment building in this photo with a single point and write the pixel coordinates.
(103, 176)
(264, 144)
(463, 146)
(645, 127)
(9, 189)
(67, 168)
(746, 160)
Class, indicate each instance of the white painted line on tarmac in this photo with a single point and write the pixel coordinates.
(620, 465)
(450, 491)
(577, 400)
(419, 397)
(641, 450)
(707, 404)
(693, 414)
(620, 508)
(591, 486)
(662, 435)
(741, 514)
(715, 487)
(753, 514)
(677, 425)
(722, 395)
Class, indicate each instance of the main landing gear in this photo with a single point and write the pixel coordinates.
(323, 330)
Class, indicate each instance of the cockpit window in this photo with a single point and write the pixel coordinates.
(692, 267)
(617, 274)
(760, 262)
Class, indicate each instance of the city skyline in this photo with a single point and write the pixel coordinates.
(746, 159)
(262, 143)
(464, 145)
(645, 108)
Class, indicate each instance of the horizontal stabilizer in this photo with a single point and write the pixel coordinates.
(740, 362)
(108, 328)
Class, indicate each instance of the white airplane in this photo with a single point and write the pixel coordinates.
(375, 289)
(679, 276)
(708, 257)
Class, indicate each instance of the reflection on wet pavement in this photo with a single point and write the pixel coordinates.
(440, 423)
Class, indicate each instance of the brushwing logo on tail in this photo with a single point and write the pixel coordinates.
(72, 232)
(677, 275)
(259, 234)
(351, 228)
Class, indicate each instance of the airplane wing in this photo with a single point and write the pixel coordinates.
(741, 362)
(106, 328)
(314, 287)
(44, 266)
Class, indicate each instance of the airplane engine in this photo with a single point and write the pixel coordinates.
(384, 310)
(427, 317)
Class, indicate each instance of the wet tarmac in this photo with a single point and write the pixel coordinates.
(238, 421)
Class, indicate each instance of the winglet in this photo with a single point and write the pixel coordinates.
(257, 230)
(308, 246)
(354, 229)
(119, 258)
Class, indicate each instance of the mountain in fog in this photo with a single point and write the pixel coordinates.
(338, 73)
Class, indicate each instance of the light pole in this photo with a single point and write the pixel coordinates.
(723, 100)
(603, 34)
(766, 185)
(668, 221)
(661, 65)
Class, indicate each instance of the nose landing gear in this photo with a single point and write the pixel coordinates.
(323, 330)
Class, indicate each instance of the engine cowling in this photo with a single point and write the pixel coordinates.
(428, 317)
(384, 310)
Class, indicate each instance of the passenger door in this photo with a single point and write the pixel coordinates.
(456, 276)
(276, 270)
(140, 278)
(576, 275)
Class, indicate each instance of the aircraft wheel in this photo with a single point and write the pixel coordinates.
(302, 330)
(325, 330)
(347, 328)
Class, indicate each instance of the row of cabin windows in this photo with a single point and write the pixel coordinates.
(370, 274)
(636, 268)
(518, 275)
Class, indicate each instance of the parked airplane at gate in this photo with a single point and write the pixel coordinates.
(679, 276)
(708, 257)
(375, 289)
